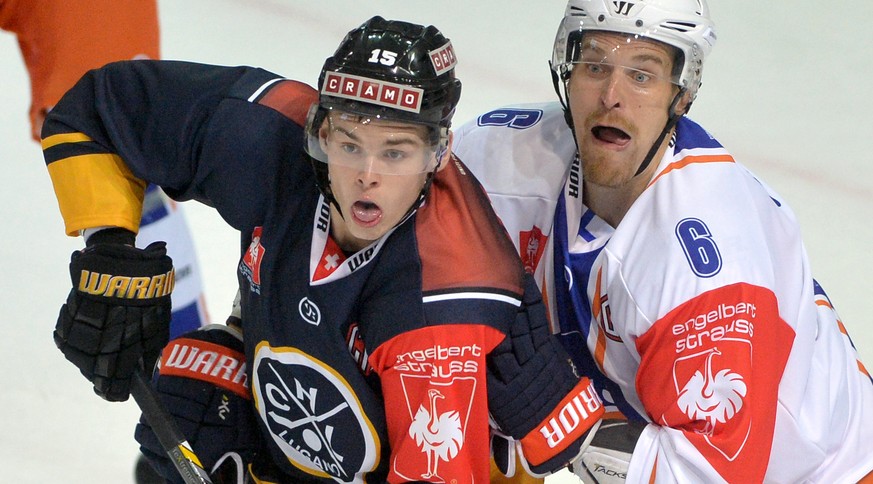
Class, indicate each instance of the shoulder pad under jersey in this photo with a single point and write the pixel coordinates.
(523, 150)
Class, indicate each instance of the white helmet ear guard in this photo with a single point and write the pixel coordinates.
(682, 24)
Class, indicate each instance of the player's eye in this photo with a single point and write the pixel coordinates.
(596, 69)
(395, 155)
(349, 148)
(641, 77)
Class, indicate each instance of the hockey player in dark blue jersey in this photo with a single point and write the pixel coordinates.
(377, 285)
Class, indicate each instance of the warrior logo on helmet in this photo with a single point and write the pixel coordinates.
(623, 8)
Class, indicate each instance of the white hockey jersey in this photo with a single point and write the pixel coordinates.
(698, 313)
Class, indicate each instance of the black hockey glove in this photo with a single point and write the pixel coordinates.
(118, 311)
(606, 459)
(201, 380)
(534, 394)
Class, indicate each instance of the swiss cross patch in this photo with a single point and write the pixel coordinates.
(531, 244)
(711, 368)
(250, 265)
(331, 258)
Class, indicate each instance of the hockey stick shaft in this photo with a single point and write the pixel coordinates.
(170, 437)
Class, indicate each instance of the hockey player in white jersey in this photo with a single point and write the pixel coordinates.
(676, 278)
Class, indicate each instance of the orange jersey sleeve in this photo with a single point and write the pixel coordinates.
(61, 40)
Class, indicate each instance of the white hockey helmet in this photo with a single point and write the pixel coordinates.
(682, 24)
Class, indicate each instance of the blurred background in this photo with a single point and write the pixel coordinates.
(784, 90)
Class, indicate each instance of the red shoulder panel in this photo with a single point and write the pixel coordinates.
(291, 98)
(461, 240)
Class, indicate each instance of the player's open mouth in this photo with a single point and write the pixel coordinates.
(366, 213)
(608, 134)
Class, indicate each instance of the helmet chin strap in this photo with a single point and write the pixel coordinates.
(565, 103)
(443, 147)
(424, 189)
(671, 122)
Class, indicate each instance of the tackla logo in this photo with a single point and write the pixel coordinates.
(309, 311)
(313, 415)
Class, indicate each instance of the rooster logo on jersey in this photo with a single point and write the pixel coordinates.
(710, 397)
(438, 425)
(438, 434)
(714, 399)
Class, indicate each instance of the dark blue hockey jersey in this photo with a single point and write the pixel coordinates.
(364, 367)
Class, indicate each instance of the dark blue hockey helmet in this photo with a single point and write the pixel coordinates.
(387, 70)
(394, 70)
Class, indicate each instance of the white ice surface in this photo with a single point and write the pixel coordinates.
(787, 89)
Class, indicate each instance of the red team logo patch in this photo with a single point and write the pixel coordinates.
(531, 245)
(251, 262)
(438, 423)
(721, 355)
(712, 395)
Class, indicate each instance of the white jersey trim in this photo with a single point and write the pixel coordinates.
(263, 88)
(472, 295)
